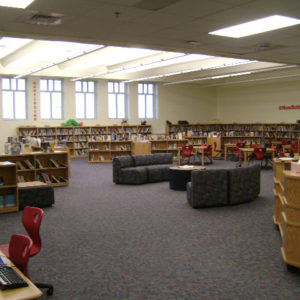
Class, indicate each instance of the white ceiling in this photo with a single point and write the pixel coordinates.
(160, 25)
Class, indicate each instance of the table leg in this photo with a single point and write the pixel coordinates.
(245, 159)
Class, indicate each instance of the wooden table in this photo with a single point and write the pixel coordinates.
(248, 151)
(201, 149)
(226, 147)
(24, 293)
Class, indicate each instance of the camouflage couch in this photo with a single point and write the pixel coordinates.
(139, 169)
(223, 186)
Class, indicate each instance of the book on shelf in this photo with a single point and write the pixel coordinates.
(54, 179)
(20, 165)
(1, 201)
(54, 163)
(28, 164)
(39, 164)
(45, 178)
(62, 179)
(10, 199)
(21, 178)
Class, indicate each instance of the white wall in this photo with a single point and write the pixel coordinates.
(259, 102)
(180, 102)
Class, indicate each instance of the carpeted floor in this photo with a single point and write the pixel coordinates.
(107, 241)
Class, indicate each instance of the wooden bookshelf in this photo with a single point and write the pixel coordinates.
(77, 138)
(9, 201)
(252, 132)
(167, 146)
(52, 168)
(105, 151)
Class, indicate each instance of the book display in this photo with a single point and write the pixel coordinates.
(256, 133)
(8, 187)
(77, 138)
(52, 168)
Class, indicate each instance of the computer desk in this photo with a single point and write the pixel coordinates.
(25, 293)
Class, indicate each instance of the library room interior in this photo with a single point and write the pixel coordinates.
(149, 149)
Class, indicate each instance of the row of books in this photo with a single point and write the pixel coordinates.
(80, 152)
(8, 200)
(24, 165)
(98, 158)
(81, 145)
(49, 179)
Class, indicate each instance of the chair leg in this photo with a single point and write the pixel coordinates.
(45, 286)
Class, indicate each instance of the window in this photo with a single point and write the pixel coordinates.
(51, 99)
(13, 99)
(85, 99)
(147, 100)
(117, 100)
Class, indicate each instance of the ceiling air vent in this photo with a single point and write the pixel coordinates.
(44, 19)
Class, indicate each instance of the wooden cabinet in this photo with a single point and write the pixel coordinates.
(8, 187)
(105, 151)
(290, 226)
(279, 166)
(141, 148)
(52, 168)
(77, 138)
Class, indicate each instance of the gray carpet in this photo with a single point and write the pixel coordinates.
(107, 241)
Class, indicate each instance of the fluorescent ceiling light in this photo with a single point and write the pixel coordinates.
(9, 45)
(15, 3)
(52, 53)
(257, 26)
(229, 75)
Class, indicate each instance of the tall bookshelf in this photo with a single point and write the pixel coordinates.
(250, 132)
(8, 187)
(77, 138)
(52, 168)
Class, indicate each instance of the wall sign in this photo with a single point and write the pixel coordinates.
(284, 107)
(34, 101)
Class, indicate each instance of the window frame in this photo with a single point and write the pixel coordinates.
(14, 91)
(116, 93)
(61, 91)
(85, 93)
(145, 94)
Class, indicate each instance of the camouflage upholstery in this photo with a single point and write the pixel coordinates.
(38, 196)
(244, 184)
(208, 188)
(223, 187)
(139, 169)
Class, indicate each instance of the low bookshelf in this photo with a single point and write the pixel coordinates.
(51, 168)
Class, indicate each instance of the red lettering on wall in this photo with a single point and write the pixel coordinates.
(284, 107)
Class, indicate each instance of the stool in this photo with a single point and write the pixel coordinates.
(35, 193)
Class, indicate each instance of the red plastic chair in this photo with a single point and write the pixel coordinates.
(19, 252)
(294, 147)
(187, 152)
(260, 154)
(32, 218)
(219, 152)
(208, 152)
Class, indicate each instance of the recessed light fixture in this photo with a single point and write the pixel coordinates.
(16, 3)
(257, 26)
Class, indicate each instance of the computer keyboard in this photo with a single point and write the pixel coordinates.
(10, 279)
